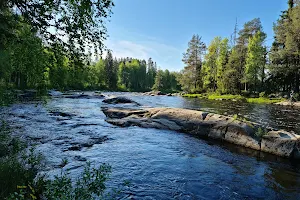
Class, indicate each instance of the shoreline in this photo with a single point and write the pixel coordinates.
(229, 97)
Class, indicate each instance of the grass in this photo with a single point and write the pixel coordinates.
(261, 132)
(213, 96)
(194, 95)
(263, 100)
(225, 97)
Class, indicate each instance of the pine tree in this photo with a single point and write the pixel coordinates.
(158, 85)
(193, 61)
(108, 70)
(221, 64)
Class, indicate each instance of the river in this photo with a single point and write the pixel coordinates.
(160, 164)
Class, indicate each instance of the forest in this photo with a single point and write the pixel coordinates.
(33, 56)
(244, 63)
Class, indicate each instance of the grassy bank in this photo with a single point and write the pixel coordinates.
(212, 96)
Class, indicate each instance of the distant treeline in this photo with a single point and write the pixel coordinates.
(27, 62)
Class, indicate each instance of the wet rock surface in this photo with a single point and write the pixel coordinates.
(155, 93)
(119, 100)
(208, 125)
(84, 96)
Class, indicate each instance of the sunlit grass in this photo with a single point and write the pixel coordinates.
(213, 96)
(262, 100)
(225, 97)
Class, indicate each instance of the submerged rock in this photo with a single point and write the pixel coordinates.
(84, 96)
(289, 103)
(119, 100)
(154, 93)
(207, 125)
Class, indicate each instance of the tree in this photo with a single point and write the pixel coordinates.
(249, 30)
(158, 85)
(151, 73)
(255, 59)
(231, 74)
(210, 67)
(109, 71)
(221, 64)
(285, 52)
(81, 22)
(193, 61)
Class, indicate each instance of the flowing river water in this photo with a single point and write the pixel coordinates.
(160, 164)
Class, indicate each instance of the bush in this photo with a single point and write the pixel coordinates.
(261, 132)
(262, 94)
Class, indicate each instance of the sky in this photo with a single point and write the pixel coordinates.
(161, 29)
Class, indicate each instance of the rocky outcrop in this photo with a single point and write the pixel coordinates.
(154, 93)
(288, 103)
(119, 100)
(84, 96)
(281, 143)
(207, 125)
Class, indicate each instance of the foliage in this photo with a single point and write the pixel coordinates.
(261, 132)
(225, 97)
(74, 24)
(16, 169)
(190, 78)
(255, 60)
(19, 180)
(215, 96)
(89, 185)
(263, 100)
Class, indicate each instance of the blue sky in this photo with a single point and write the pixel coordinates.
(161, 29)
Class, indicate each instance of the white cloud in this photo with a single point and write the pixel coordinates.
(166, 56)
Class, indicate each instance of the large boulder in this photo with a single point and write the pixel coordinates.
(119, 100)
(84, 96)
(207, 125)
(120, 113)
(155, 93)
(281, 143)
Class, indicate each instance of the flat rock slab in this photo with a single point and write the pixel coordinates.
(84, 96)
(119, 100)
(208, 125)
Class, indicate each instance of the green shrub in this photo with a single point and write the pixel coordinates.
(235, 117)
(262, 94)
(261, 132)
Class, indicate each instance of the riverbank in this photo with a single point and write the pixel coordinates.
(260, 100)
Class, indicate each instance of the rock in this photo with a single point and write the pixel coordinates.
(27, 94)
(74, 148)
(281, 143)
(121, 113)
(84, 96)
(207, 125)
(119, 100)
(62, 114)
(154, 93)
(169, 95)
(288, 103)
(54, 93)
(271, 96)
(80, 158)
(243, 135)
